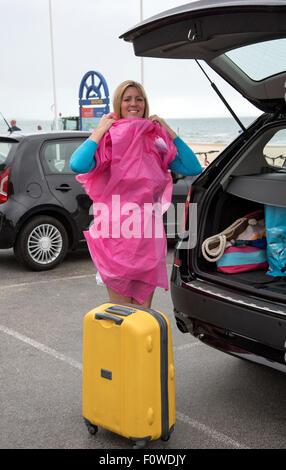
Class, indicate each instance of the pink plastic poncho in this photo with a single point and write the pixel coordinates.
(130, 188)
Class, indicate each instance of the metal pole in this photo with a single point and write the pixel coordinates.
(53, 67)
(142, 61)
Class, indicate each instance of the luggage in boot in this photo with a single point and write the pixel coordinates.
(128, 372)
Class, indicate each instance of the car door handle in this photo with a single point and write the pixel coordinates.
(64, 187)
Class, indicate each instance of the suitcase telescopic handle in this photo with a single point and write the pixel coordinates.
(107, 316)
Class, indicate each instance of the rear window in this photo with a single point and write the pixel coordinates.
(5, 148)
(261, 60)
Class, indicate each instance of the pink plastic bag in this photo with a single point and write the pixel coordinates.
(131, 189)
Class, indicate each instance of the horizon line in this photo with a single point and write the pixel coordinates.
(177, 117)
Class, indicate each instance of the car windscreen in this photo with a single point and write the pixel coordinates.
(261, 60)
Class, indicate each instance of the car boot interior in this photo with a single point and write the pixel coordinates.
(251, 180)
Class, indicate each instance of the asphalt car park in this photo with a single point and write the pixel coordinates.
(222, 402)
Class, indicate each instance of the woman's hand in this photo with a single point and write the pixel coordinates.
(163, 123)
(104, 124)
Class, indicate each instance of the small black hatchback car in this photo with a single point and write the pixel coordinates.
(243, 313)
(43, 209)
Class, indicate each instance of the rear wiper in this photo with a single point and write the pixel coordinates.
(9, 128)
(222, 98)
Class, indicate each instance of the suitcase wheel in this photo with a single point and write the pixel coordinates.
(140, 444)
(92, 428)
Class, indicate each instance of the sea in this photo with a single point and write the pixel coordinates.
(195, 130)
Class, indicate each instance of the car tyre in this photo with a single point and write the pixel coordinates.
(42, 243)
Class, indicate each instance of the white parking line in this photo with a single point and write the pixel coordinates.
(182, 347)
(218, 436)
(41, 347)
(222, 438)
(44, 281)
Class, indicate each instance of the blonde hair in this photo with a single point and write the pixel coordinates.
(119, 92)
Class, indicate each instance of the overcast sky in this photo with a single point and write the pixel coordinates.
(86, 37)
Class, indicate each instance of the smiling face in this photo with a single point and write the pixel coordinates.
(132, 104)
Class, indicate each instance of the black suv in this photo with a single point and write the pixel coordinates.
(43, 209)
(243, 314)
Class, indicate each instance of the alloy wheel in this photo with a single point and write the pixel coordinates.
(45, 243)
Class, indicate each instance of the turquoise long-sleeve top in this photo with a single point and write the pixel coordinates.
(185, 162)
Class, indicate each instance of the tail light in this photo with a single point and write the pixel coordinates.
(4, 181)
(187, 203)
(177, 261)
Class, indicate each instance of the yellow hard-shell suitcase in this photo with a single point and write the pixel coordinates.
(128, 372)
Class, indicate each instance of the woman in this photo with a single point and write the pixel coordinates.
(124, 168)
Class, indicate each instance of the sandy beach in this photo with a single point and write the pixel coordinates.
(200, 148)
(273, 152)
